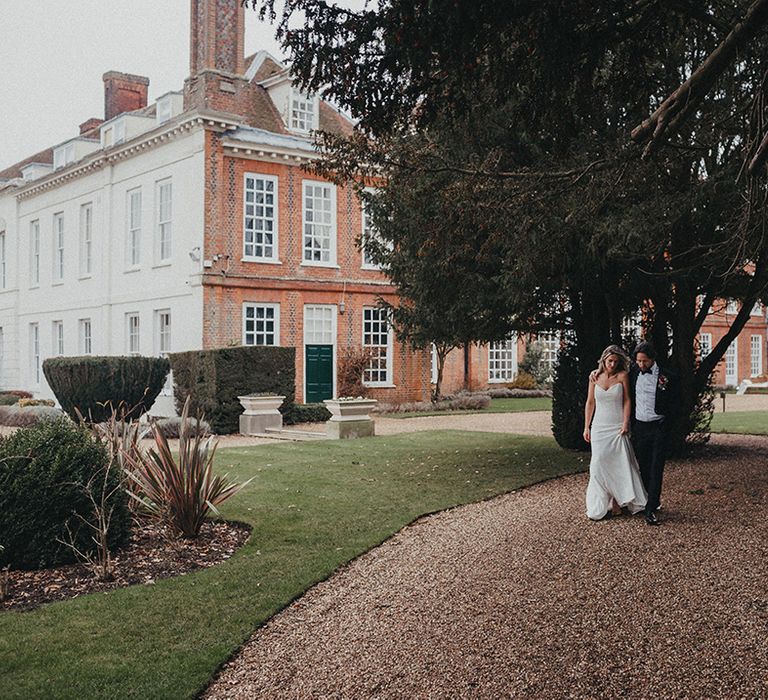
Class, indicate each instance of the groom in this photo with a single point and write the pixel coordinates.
(653, 400)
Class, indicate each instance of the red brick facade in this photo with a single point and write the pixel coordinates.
(123, 93)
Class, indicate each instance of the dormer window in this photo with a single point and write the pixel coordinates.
(303, 112)
(63, 155)
(113, 133)
(164, 111)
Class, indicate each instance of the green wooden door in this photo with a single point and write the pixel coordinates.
(318, 372)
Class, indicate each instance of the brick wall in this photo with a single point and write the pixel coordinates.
(123, 92)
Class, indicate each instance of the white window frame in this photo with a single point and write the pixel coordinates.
(755, 355)
(502, 360)
(34, 253)
(163, 332)
(732, 306)
(757, 309)
(705, 344)
(367, 231)
(133, 333)
(133, 224)
(303, 112)
(3, 266)
(550, 346)
(383, 318)
(58, 247)
(249, 186)
(250, 336)
(732, 363)
(57, 338)
(85, 337)
(163, 221)
(86, 239)
(34, 352)
(318, 232)
(63, 155)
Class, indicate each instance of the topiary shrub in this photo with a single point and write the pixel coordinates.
(8, 399)
(94, 385)
(569, 394)
(171, 427)
(44, 472)
(306, 413)
(213, 379)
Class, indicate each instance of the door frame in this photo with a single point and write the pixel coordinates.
(735, 375)
(334, 333)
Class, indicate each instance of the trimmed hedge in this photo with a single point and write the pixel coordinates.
(43, 473)
(95, 385)
(215, 378)
(306, 413)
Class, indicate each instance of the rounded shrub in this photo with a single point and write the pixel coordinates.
(45, 474)
(97, 385)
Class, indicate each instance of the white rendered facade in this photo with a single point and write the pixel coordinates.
(77, 280)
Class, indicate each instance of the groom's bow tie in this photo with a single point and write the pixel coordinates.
(646, 371)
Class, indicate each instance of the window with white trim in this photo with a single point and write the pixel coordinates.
(58, 247)
(502, 359)
(163, 110)
(732, 307)
(63, 155)
(58, 338)
(303, 112)
(34, 253)
(84, 341)
(730, 363)
(368, 233)
(163, 332)
(319, 223)
(133, 250)
(757, 309)
(319, 324)
(550, 347)
(433, 365)
(377, 338)
(133, 334)
(705, 344)
(260, 217)
(86, 239)
(755, 355)
(164, 219)
(2, 261)
(34, 351)
(261, 324)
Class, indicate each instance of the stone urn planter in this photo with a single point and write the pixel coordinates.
(349, 418)
(261, 413)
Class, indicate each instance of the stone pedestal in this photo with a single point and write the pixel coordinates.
(349, 418)
(261, 413)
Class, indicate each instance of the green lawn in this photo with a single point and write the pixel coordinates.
(749, 422)
(313, 507)
(497, 406)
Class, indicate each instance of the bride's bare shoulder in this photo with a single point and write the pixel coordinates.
(621, 376)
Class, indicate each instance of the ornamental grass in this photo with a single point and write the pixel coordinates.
(183, 492)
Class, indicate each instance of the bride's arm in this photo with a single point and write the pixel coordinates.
(589, 410)
(627, 404)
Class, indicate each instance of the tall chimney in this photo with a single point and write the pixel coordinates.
(217, 36)
(123, 93)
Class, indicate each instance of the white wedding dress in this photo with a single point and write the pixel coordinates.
(613, 470)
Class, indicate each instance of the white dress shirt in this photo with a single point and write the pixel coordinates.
(645, 396)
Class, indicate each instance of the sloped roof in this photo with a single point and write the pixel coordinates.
(13, 171)
(333, 121)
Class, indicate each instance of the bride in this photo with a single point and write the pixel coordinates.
(614, 477)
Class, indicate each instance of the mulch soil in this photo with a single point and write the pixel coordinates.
(153, 553)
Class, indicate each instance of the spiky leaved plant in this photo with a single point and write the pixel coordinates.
(179, 492)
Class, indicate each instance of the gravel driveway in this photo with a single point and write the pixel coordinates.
(521, 596)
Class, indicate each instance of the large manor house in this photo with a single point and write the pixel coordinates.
(193, 223)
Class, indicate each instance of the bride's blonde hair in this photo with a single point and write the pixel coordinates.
(620, 353)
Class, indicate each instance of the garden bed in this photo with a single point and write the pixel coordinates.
(152, 554)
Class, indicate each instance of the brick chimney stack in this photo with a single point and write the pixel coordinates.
(90, 125)
(123, 93)
(217, 37)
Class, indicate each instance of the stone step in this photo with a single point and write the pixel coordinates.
(276, 434)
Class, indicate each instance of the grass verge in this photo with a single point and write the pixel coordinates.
(497, 406)
(745, 422)
(313, 507)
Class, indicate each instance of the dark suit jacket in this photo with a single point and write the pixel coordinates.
(666, 390)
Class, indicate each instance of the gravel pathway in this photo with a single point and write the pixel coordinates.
(521, 596)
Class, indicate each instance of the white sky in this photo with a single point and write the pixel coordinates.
(54, 52)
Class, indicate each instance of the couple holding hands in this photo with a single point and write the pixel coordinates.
(624, 399)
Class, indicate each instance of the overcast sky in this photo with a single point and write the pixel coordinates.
(54, 52)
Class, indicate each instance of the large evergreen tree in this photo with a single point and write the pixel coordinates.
(516, 118)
